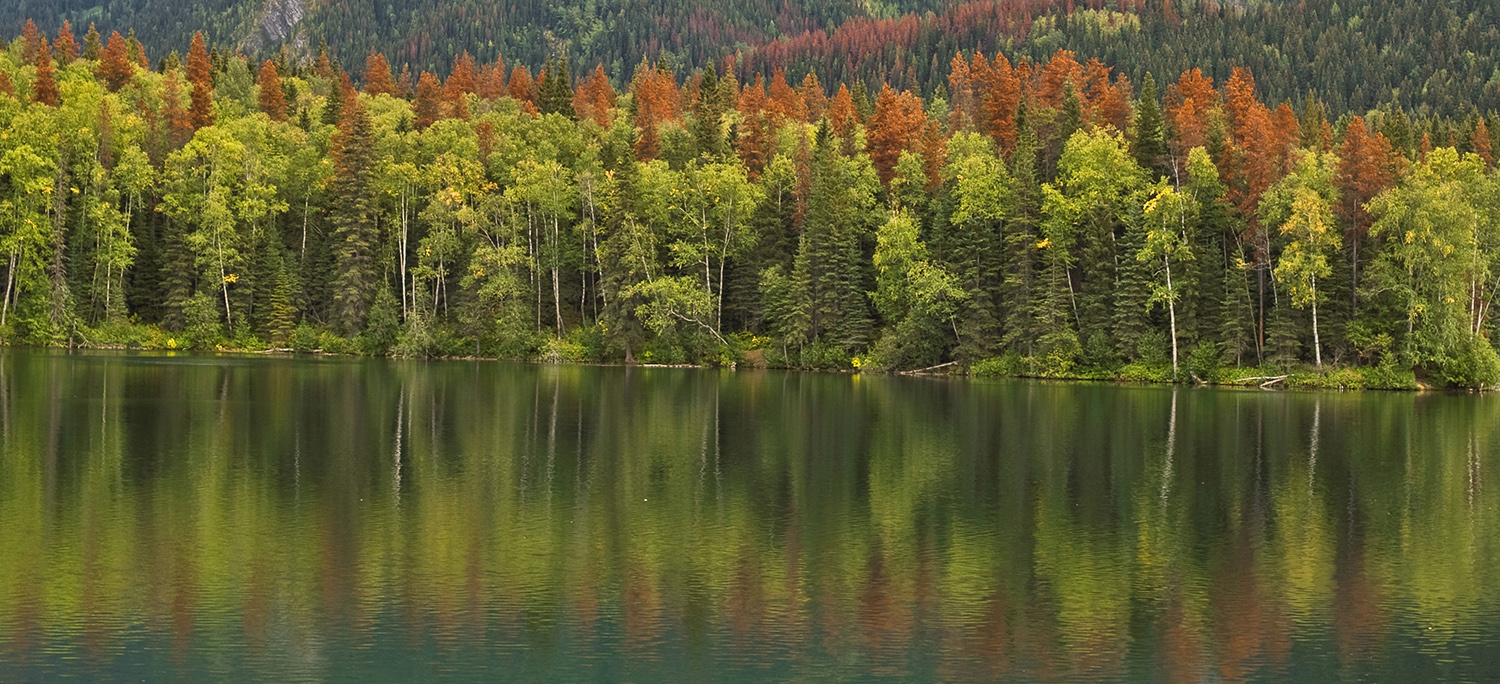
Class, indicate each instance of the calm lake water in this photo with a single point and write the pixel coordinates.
(197, 518)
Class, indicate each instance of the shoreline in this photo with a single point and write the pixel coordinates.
(1265, 377)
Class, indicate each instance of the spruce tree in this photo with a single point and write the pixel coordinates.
(1149, 145)
(1020, 240)
(354, 214)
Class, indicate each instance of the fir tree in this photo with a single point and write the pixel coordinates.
(1149, 146)
(354, 215)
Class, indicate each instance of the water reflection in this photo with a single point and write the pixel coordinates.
(189, 518)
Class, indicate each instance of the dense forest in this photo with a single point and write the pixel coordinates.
(1352, 55)
(1040, 217)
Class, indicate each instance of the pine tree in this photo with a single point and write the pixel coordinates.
(270, 98)
(1149, 145)
(708, 113)
(65, 49)
(895, 127)
(92, 47)
(428, 106)
(1019, 293)
(32, 43)
(200, 78)
(557, 90)
(522, 88)
(814, 100)
(1479, 142)
(378, 75)
(44, 84)
(596, 98)
(178, 120)
(754, 144)
(114, 67)
(354, 216)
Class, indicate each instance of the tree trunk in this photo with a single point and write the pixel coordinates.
(1317, 346)
(1171, 314)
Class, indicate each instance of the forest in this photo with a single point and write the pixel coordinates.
(1429, 56)
(1043, 217)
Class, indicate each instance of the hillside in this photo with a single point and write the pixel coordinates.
(1439, 57)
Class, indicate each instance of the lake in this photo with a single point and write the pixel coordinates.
(198, 518)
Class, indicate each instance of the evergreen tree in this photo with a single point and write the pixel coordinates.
(355, 239)
(1149, 146)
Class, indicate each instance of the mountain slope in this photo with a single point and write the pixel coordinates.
(1355, 54)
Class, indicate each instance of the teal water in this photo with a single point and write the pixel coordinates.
(197, 518)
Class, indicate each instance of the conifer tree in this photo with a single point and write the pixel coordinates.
(895, 126)
(378, 75)
(200, 78)
(595, 98)
(428, 105)
(1479, 142)
(1150, 145)
(354, 216)
(557, 90)
(65, 49)
(178, 120)
(708, 113)
(44, 84)
(92, 47)
(33, 44)
(270, 97)
(114, 67)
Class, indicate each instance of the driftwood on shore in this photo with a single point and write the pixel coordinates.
(924, 370)
(1269, 380)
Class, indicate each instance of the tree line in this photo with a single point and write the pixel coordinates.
(1035, 217)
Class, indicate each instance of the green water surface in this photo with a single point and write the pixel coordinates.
(197, 519)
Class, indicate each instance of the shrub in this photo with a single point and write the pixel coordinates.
(1204, 361)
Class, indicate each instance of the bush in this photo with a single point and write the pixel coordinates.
(1008, 365)
(1204, 361)
(201, 315)
(1475, 365)
(1099, 353)
(383, 326)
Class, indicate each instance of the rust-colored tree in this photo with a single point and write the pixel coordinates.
(1367, 167)
(44, 86)
(5, 84)
(200, 78)
(270, 98)
(65, 48)
(1062, 68)
(999, 92)
(895, 127)
(656, 100)
(114, 66)
(462, 80)
(492, 80)
(961, 91)
(813, 97)
(428, 105)
(754, 143)
(842, 116)
(785, 104)
(1255, 142)
(378, 75)
(1188, 103)
(178, 121)
(595, 98)
(523, 89)
(32, 43)
(1479, 142)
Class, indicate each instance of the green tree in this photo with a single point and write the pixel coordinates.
(1302, 205)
